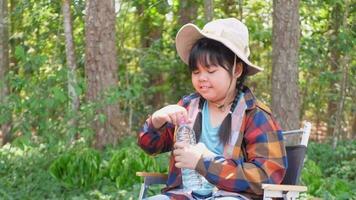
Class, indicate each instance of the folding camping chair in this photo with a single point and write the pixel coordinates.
(289, 189)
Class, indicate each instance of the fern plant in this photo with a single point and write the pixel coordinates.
(126, 161)
(77, 168)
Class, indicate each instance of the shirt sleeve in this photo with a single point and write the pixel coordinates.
(265, 160)
(155, 141)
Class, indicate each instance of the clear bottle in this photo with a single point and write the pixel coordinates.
(192, 180)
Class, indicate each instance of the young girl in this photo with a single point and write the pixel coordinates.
(240, 144)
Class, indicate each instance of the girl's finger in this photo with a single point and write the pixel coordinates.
(174, 118)
(177, 152)
(178, 158)
(179, 118)
(167, 118)
(180, 145)
(178, 164)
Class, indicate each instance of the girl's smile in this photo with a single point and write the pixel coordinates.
(204, 87)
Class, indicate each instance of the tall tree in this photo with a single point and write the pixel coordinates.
(208, 10)
(71, 60)
(285, 46)
(14, 25)
(101, 68)
(230, 8)
(334, 61)
(342, 66)
(188, 11)
(353, 125)
(241, 9)
(4, 65)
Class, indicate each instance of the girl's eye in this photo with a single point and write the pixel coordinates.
(196, 72)
(212, 71)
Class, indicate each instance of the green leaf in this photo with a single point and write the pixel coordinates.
(20, 53)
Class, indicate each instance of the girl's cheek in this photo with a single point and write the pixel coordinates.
(194, 81)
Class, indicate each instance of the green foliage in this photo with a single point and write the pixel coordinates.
(345, 165)
(345, 169)
(74, 172)
(150, 72)
(41, 162)
(330, 173)
(336, 188)
(312, 177)
(344, 157)
(319, 81)
(128, 160)
(23, 173)
(77, 168)
(321, 154)
(327, 187)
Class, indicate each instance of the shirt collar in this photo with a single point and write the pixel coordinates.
(250, 98)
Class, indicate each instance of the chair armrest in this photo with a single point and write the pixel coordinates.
(151, 174)
(293, 188)
(151, 178)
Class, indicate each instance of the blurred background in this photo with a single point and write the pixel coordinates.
(78, 79)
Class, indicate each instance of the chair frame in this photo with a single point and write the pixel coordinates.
(270, 191)
(150, 178)
(290, 192)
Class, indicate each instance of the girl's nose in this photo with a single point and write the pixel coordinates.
(202, 77)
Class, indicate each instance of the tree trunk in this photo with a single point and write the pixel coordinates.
(230, 8)
(208, 10)
(15, 25)
(285, 46)
(71, 61)
(337, 133)
(241, 3)
(352, 135)
(4, 66)
(188, 11)
(101, 68)
(335, 23)
(344, 62)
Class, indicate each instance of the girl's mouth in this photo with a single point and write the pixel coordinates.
(203, 88)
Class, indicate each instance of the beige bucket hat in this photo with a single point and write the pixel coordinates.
(230, 32)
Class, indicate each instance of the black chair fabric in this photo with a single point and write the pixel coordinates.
(295, 157)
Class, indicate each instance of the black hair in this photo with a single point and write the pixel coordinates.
(208, 52)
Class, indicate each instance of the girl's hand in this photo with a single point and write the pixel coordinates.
(171, 113)
(187, 156)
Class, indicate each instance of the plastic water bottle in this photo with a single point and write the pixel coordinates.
(191, 179)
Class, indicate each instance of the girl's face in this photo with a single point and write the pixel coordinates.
(214, 83)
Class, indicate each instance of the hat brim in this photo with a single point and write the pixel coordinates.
(190, 33)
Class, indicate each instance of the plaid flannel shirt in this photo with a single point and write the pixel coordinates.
(263, 161)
